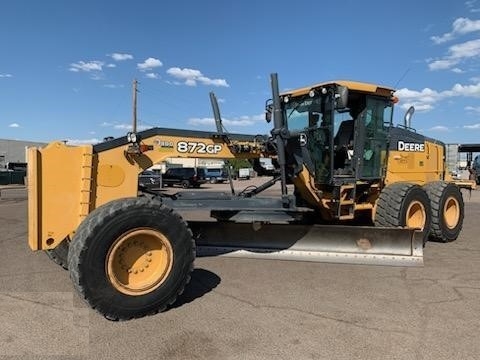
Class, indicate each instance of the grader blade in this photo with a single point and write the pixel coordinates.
(317, 243)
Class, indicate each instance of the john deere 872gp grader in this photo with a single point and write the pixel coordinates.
(354, 188)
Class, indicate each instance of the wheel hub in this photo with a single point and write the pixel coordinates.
(416, 216)
(139, 261)
(451, 212)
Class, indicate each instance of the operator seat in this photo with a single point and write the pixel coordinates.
(344, 134)
(343, 142)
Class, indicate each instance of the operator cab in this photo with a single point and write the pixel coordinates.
(341, 130)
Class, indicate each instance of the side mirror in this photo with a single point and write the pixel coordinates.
(408, 117)
(268, 110)
(341, 96)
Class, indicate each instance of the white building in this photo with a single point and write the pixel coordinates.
(15, 151)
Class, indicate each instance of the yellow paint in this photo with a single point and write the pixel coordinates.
(451, 212)
(351, 85)
(56, 189)
(67, 182)
(416, 215)
(416, 167)
(139, 261)
(110, 175)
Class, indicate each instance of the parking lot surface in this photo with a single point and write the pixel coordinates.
(252, 309)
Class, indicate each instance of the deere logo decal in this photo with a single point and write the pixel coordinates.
(408, 146)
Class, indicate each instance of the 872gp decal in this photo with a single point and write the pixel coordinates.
(198, 147)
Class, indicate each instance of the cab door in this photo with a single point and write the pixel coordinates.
(371, 139)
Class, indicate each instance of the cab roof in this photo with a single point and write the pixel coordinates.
(379, 90)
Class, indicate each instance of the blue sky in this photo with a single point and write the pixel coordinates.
(66, 67)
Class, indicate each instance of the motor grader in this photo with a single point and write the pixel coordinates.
(354, 188)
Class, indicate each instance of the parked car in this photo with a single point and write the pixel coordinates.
(215, 175)
(149, 180)
(185, 177)
(244, 174)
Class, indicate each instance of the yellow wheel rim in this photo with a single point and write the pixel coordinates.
(416, 215)
(451, 212)
(139, 261)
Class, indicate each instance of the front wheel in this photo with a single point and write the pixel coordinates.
(404, 205)
(131, 257)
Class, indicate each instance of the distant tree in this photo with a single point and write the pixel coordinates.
(236, 164)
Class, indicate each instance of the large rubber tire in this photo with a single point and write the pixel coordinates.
(448, 210)
(59, 255)
(185, 184)
(131, 257)
(404, 205)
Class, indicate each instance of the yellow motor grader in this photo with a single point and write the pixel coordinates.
(354, 188)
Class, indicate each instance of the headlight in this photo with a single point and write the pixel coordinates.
(132, 137)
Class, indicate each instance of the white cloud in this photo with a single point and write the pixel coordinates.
(92, 141)
(191, 77)
(152, 75)
(6, 75)
(467, 49)
(460, 26)
(456, 54)
(464, 90)
(473, 109)
(426, 99)
(149, 64)
(221, 101)
(240, 121)
(201, 121)
(460, 52)
(129, 127)
(14, 125)
(97, 76)
(113, 86)
(457, 71)
(471, 6)
(439, 128)
(87, 66)
(121, 57)
(472, 127)
(111, 66)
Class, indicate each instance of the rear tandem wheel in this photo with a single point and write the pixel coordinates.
(404, 204)
(131, 257)
(448, 210)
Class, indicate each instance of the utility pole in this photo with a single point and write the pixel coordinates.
(134, 126)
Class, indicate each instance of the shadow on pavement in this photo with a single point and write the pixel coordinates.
(201, 283)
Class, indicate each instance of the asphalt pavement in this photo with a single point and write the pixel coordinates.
(252, 309)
